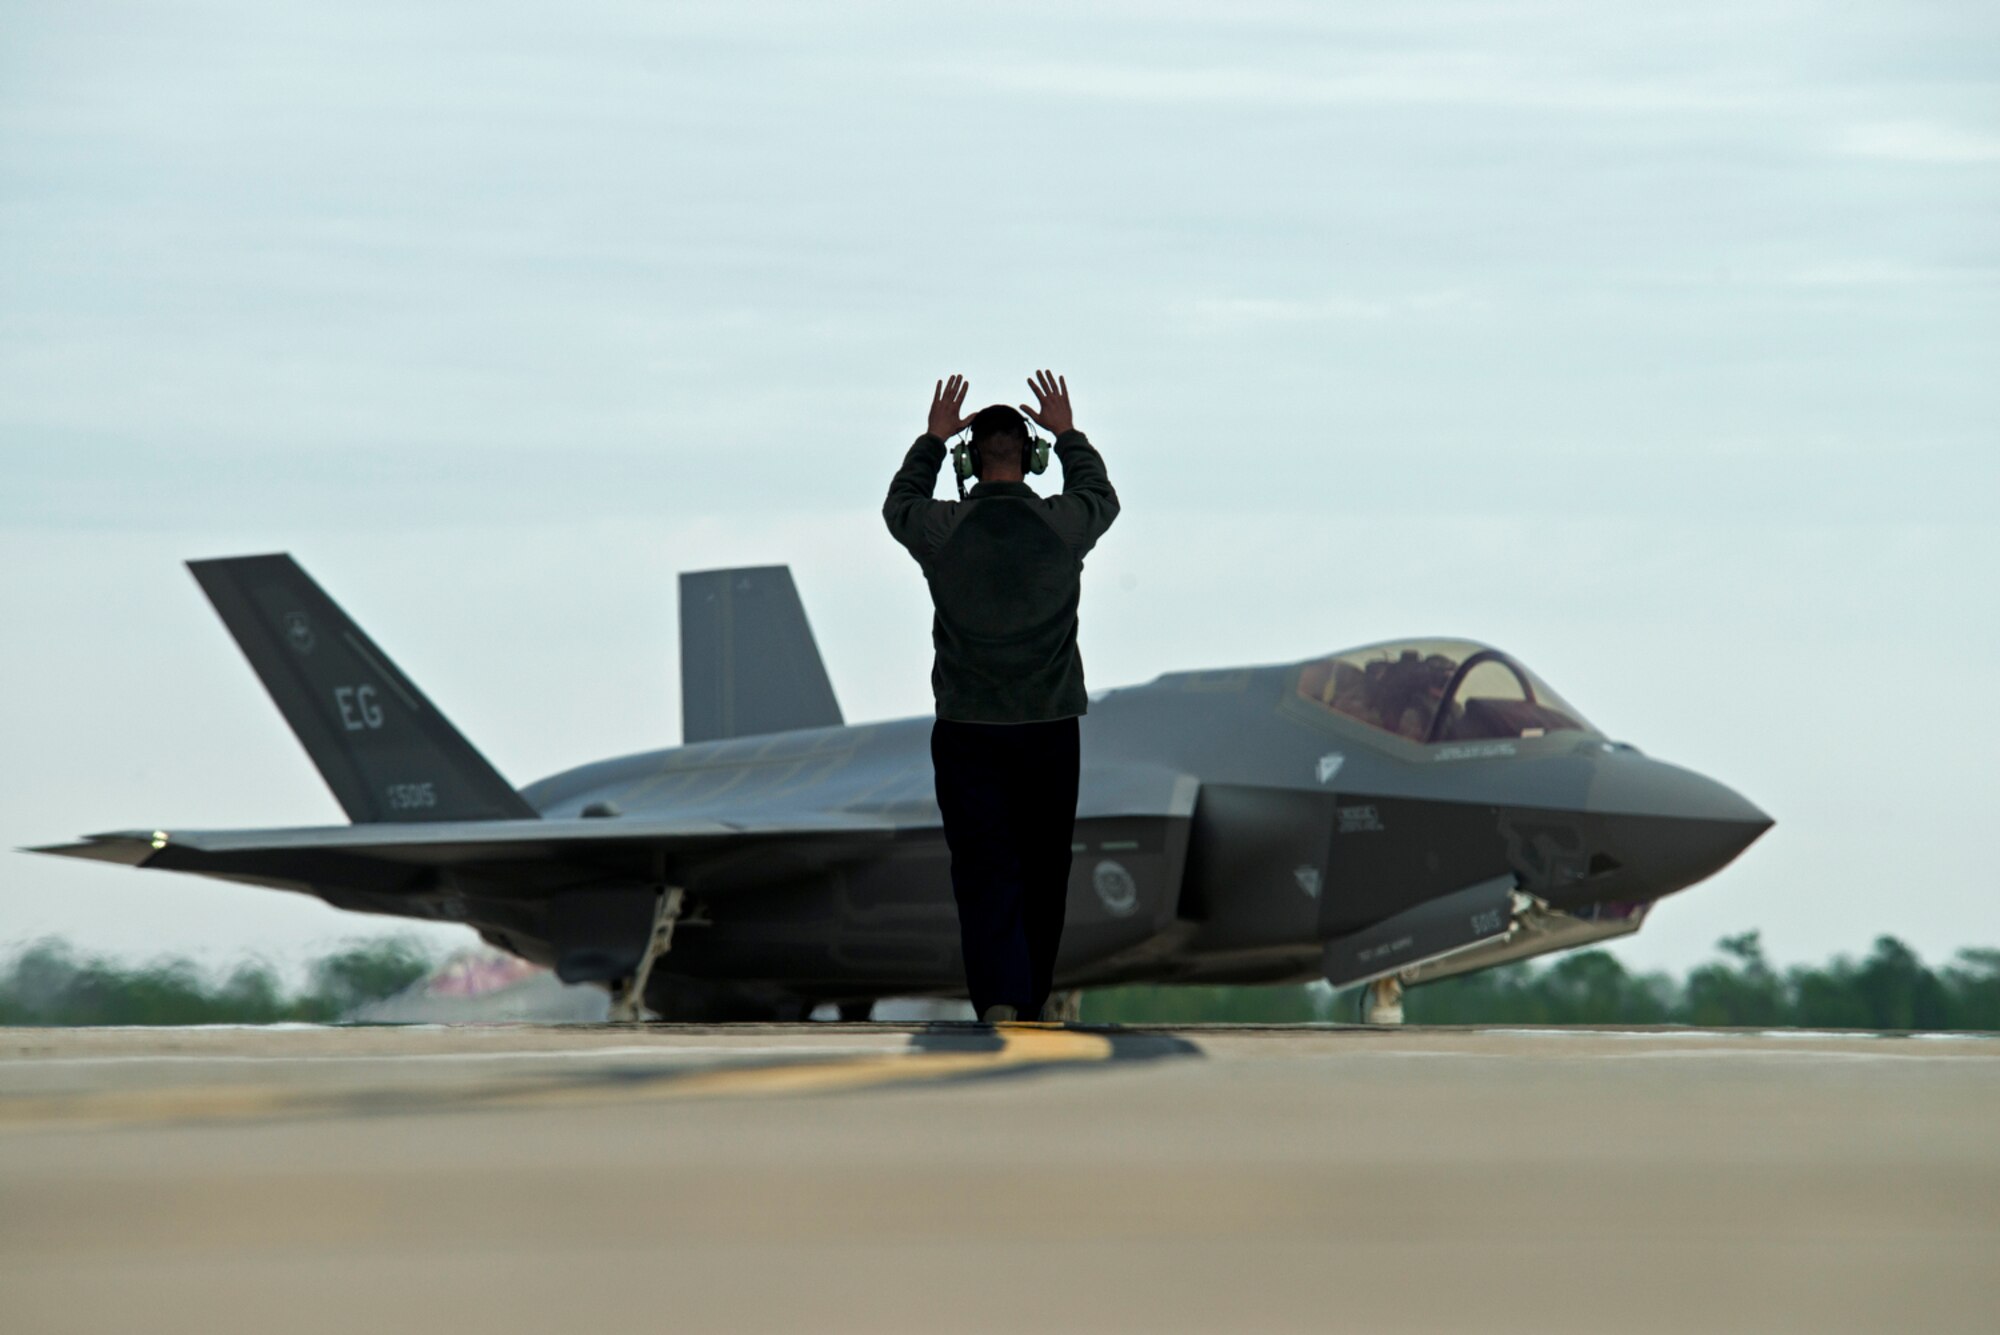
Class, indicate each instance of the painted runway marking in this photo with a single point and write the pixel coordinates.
(516, 1054)
(1005, 1049)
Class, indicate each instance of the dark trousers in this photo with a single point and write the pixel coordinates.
(1008, 794)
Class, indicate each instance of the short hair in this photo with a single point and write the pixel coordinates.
(998, 420)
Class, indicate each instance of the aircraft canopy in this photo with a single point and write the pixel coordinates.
(1438, 691)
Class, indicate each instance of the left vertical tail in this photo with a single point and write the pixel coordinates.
(384, 750)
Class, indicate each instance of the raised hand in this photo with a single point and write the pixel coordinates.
(1052, 393)
(946, 401)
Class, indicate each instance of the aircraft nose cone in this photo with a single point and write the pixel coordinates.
(1671, 826)
(1629, 784)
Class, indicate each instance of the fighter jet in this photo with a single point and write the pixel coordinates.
(1387, 815)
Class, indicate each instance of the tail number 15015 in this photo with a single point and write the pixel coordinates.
(412, 796)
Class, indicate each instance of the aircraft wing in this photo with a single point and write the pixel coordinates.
(374, 866)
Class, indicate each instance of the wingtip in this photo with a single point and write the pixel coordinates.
(129, 847)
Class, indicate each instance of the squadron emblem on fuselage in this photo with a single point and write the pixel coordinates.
(1116, 889)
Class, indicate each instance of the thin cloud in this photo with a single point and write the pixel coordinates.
(1890, 273)
(1240, 312)
(1443, 80)
(1921, 141)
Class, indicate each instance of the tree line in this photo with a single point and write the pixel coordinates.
(49, 983)
(1889, 988)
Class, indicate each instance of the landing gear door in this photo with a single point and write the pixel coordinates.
(1460, 921)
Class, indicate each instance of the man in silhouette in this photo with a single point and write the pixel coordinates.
(1004, 567)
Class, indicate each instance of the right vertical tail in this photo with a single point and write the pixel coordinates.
(749, 664)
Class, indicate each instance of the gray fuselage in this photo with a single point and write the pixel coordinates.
(1227, 829)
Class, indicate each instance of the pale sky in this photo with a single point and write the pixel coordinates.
(1656, 347)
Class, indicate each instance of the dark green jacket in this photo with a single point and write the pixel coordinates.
(1004, 566)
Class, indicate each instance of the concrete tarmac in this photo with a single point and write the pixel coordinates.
(946, 1178)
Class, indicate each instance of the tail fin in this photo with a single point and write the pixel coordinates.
(384, 750)
(748, 661)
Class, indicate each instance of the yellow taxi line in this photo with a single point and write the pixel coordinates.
(128, 1107)
(1018, 1046)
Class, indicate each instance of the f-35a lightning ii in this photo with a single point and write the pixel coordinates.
(1390, 815)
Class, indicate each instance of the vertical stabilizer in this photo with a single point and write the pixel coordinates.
(749, 664)
(384, 750)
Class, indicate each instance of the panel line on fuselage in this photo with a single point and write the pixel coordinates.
(702, 783)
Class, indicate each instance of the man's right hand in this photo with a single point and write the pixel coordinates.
(946, 401)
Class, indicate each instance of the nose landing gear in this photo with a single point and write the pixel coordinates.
(1382, 1002)
(1064, 1007)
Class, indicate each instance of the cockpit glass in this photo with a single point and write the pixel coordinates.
(1438, 691)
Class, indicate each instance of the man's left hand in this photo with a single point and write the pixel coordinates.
(1052, 392)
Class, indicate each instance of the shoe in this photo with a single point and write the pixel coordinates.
(999, 1013)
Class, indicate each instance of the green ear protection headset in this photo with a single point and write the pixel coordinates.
(965, 459)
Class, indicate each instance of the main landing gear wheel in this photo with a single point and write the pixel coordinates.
(856, 1012)
(1382, 1002)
